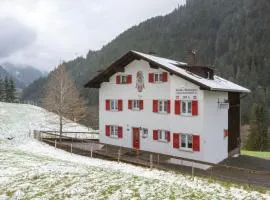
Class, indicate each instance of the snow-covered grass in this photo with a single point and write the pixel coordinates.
(33, 170)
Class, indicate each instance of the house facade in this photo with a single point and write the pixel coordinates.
(164, 106)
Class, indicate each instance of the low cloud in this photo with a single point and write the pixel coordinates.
(14, 36)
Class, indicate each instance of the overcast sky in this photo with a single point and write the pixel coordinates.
(41, 32)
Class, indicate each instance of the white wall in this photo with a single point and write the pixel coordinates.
(147, 119)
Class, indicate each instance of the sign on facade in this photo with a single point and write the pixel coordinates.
(186, 94)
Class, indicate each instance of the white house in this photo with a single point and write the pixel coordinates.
(165, 106)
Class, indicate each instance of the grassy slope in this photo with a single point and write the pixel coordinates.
(259, 154)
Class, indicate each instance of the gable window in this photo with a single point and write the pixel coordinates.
(186, 108)
(124, 79)
(186, 141)
(158, 77)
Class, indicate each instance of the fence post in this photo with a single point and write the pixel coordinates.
(106, 147)
(119, 153)
(158, 158)
(151, 161)
(55, 144)
(71, 148)
(91, 150)
(192, 172)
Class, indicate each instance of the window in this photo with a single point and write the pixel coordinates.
(114, 105)
(161, 135)
(123, 79)
(186, 107)
(136, 104)
(158, 77)
(144, 133)
(114, 131)
(162, 106)
(186, 141)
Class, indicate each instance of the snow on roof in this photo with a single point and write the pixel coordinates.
(217, 84)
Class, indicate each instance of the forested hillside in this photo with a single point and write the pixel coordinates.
(231, 35)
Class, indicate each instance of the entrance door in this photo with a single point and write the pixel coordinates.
(136, 138)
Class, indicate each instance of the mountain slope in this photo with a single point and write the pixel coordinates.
(232, 35)
(25, 74)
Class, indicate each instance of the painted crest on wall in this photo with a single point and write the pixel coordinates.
(139, 81)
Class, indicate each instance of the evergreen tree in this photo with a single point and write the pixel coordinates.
(2, 90)
(257, 138)
(6, 89)
(11, 90)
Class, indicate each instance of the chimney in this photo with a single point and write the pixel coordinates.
(192, 57)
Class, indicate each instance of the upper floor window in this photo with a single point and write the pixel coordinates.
(135, 104)
(114, 104)
(124, 79)
(158, 77)
(186, 107)
(161, 106)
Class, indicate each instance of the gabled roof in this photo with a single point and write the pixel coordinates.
(172, 66)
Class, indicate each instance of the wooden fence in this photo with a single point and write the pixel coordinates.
(92, 147)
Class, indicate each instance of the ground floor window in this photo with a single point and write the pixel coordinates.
(114, 131)
(186, 141)
(144, 132)
(114, 104)
(162, 135)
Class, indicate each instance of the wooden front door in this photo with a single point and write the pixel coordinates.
(136, 138)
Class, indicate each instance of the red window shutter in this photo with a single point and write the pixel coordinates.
(176, 141)
(168, 136)
(108, 104)
(118, 79)
(194, 108)
(120, 131)
(129, 79)
(151, 78)
(177, 107)
(141, 104)
(164, 76)
(108, 130)
(130, 104)
(168, 106)
(120, 105)
(226, 133)
(196, 142)
(155, 134)
(155, 106)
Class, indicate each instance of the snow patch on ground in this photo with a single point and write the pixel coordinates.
(33, 170)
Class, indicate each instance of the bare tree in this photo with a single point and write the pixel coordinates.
(62, 98)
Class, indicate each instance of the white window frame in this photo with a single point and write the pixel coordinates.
(158, 78)
(187, 111)
(187, 140)
(135, 104)
(162, 106)
(123, 79)
(114, 105)
(162, 136)
(144, 132)
(114, 131)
